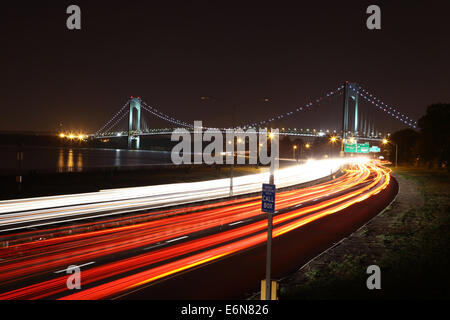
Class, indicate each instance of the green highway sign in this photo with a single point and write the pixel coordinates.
(350, 147)
(357, 147)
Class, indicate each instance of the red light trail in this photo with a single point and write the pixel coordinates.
(134, 251)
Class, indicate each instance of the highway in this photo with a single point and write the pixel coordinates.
(121, 256)
(26, 213)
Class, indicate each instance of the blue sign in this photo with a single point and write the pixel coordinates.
(268, 198)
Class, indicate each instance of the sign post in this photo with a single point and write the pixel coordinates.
(268, 205)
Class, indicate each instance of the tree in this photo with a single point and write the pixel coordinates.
(434, 127)
(406, 141)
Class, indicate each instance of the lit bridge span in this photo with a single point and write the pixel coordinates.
(351, 123)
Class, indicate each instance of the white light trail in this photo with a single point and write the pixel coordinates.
(114, 201)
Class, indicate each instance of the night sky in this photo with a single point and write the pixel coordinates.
(171, 53)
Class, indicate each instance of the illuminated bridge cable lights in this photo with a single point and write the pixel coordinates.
(394, 115)
(112, 119)
(289, 113)
(264, 123)
(163, 116)
(386, 108)
(117, 121)
(110, 124)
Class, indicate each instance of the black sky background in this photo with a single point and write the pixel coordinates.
(173, 52)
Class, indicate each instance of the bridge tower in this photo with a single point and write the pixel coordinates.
(350, 93)
(135, 103)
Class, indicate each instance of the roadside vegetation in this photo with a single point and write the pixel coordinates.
(409, 241)
(429, 146)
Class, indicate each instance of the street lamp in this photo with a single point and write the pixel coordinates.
(271, 179)
(233, 111)
(386, 141)
(333, 139)
(294, 148)
(271, 135)
(307, 146)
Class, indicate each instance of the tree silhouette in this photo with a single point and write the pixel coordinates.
(407, 141)
(434, 144)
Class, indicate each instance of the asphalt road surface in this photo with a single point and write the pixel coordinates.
(199, 251)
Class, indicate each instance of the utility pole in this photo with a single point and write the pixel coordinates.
(232, 163)
(386, 141)
(344, 118)
(269, 231)
(19, 177)
(396, 149)
(269, 257)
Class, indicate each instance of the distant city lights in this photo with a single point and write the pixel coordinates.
(73, 136)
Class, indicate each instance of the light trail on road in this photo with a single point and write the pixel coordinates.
(124, 257)
(20, 213)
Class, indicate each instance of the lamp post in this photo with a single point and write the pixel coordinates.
(386, 141)
(294, 148)
(19, 177)
(307, 146)
(333, 139)
(233, 111)
(272, 169)
(269, 229)
(232, 163)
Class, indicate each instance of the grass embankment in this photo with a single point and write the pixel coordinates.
(410, 242)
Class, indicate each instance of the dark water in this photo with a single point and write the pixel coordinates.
(58, 159)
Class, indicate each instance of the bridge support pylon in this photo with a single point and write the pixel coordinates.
(350, 93)
(135, 103)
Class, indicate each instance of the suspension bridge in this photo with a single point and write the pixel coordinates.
(355, 120)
